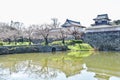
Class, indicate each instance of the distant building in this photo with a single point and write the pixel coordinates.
(73, 24)
(102, 19)
(73, 28)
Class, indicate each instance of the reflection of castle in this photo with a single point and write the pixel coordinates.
(103, 65)
(93, 74)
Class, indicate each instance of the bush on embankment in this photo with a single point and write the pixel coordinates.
(74, 45)
(83, 46)
(14, 43)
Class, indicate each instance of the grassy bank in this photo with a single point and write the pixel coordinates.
(74, 45)
(13, 43)
(82, 46)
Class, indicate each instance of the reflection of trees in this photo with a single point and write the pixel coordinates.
(104, 64)
(80, 54)
(101, 76)
(7, 68)
(44, 69)
(43, 66)
(31, 69)
(70, 66)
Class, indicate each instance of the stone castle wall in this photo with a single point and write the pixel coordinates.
(104, 38)
(30, 49)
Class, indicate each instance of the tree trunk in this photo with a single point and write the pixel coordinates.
(63, 40)
(9, 41)
(75, 37)
(22, 39)
(15, 41)
(29, 41)
(46, 41)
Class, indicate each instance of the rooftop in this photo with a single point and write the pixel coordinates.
(69, 23)
(102, 16)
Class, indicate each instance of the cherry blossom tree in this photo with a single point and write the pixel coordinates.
(75, 32)
(44, 31)
(29, 31)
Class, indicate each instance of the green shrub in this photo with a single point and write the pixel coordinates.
(77, 41)
(1, 43)
(82, 46)
(67, 42)
(56, 43)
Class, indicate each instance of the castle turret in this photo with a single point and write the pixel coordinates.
(102, 19)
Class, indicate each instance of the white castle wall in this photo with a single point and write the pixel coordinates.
(102, 28)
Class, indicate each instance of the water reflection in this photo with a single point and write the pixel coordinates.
(28, 70)
(105, 65)
(62, 66)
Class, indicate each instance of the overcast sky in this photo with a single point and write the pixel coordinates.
(41, 11)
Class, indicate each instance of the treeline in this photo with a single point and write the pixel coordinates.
(18, 32)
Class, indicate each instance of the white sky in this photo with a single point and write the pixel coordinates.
(41, 11)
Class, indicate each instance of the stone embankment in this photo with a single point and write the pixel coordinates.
(30, 49)
(105, 38)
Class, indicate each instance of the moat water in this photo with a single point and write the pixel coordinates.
(83, 65)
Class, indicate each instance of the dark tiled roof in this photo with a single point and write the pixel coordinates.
(102, 16)
(105, 15)
(69, 23)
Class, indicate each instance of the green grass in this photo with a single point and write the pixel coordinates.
(83, 46)
(74, 45)
(67, 42)
(13, 43)
(56, 43)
